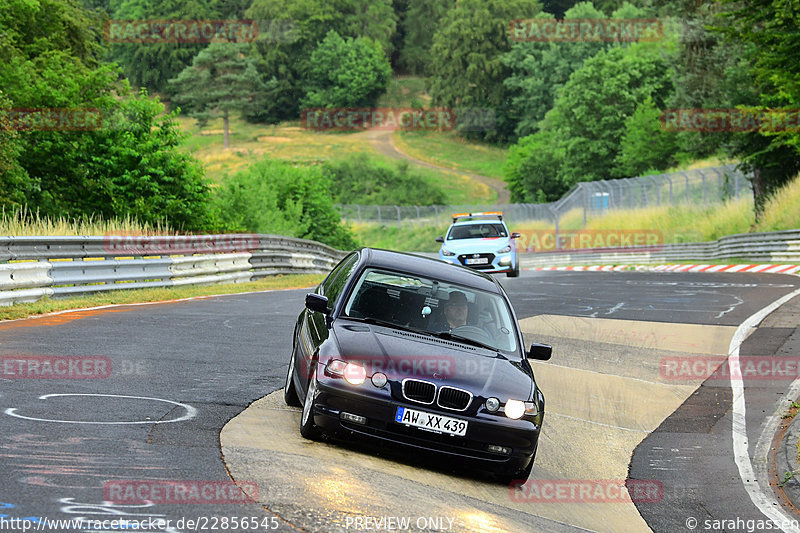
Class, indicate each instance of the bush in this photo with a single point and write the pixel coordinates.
(360, 180)
(277, 198)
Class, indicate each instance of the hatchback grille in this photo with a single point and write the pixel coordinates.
(452, 398)
(419, 391)
(480, 266)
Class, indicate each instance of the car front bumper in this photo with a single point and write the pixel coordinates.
(336, 397)
(498, 263)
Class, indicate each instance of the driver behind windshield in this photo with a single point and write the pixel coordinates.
(456, 310)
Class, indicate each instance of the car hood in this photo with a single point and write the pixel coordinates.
(401, 354)
(488, 244)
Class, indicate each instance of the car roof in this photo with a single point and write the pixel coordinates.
(477, 221)
(428, 267)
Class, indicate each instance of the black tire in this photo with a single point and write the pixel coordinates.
(514, 273)
(307, 428)
(520, 476)
(289, 390)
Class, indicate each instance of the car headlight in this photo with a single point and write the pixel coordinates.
(516, 409)
(352, 373)
(447, 253)
(504, 250)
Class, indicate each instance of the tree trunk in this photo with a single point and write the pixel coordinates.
(759, 192)
(225, 127)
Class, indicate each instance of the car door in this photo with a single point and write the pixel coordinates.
(315, 326)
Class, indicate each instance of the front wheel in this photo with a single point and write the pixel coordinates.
(514, 273)
(307, 428)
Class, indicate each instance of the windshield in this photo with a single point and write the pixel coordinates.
(476, 231)
(435, 307)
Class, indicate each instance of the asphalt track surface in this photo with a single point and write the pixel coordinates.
(181, 371)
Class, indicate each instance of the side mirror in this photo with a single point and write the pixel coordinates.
(516, 235)
(541, 352)
(440, 239)
(318, 303)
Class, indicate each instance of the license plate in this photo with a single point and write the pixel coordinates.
(431, 422)
(478, 261)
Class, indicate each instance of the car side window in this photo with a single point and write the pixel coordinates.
(332, 287)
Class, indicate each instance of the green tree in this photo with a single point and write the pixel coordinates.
(467, 67)
(151, 65)
(220, 80)
(278, 198)
(769, 30)
(287, 60)
(592, 109)
(13, 178)
(128, 163)
(532, 167)
(645, 145)
(538, 70)
(346, 73)
(421, 23)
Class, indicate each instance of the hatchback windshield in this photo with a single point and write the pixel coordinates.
(434, 307)
(476, 231)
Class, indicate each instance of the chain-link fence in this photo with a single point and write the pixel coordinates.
(702, 186)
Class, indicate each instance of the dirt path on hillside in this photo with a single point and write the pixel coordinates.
(382, 141)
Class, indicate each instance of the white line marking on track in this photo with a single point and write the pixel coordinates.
(761, 498)
(191, 412)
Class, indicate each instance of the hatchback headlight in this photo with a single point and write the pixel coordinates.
(352, 373)
(504, 250)
(447, 253)
(516, 409)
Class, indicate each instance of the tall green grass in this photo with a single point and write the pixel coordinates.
(22, 222)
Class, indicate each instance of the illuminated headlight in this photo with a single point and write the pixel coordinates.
(447, 253)
(504, 250)
(352, 373)
(515, 409)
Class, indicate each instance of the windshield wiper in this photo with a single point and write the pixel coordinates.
(378, 322)
(466, 340)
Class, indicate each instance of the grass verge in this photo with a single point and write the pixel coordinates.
(49, 305)
(447, 150)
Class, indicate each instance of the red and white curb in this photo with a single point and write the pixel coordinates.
(762, 269)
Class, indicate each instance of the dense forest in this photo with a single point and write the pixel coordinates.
(568, 111)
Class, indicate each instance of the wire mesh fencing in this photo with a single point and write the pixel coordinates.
(701, 187)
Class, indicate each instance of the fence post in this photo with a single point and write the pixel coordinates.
(555, 219)
(380, 221)
(703, 177)
(399, 224)
(658, 189)
(686, 176)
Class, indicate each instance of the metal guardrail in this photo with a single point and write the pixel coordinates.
(34, 267)
(775, 246)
